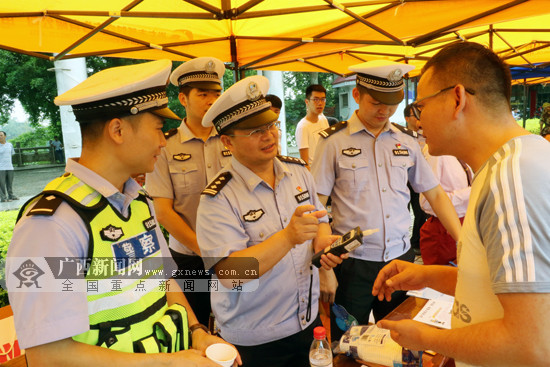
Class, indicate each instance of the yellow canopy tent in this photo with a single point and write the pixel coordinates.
(305, 35)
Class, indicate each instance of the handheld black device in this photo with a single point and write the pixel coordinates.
(348, 242)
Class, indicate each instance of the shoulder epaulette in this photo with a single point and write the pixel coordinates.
(405, 130)
(332, 129)
(46, 205)
(170, 133)
(217, 184)
(287, 159)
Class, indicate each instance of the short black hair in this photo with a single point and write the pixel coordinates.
(91, 130)
(275, 101)
(315, 88)
(474, 66)
(185, 89)
(2, 131)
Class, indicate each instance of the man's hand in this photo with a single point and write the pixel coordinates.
(322, 242)
(329, 284)
(201, 341)
(303, 226)
(408, 333)
(398, 275)
(328, 261)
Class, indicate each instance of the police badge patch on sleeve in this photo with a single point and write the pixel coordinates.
(351, 152)
(111, 233)
(253, 215)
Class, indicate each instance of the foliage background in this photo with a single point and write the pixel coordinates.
(295, 94)
(7, 222)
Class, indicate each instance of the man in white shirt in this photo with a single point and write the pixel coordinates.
(6, 169)
(308, 129)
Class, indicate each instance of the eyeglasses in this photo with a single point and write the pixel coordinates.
(260, 131)
(318, 100)
(416, 110)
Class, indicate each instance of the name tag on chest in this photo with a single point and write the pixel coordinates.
(301, 197)
(401, 152)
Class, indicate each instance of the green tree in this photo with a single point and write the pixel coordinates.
(27, 79)
(13, 129)
(39, 137)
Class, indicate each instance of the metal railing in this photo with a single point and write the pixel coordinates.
(33, 155)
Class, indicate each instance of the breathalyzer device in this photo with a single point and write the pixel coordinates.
(348, 242)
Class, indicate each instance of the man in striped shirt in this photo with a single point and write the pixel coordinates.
(502, 283)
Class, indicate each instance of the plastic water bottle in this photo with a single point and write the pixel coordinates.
(320, 354)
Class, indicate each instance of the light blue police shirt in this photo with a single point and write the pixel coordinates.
(184, 168)
(366, 178)
(248, 211)
(42, 317)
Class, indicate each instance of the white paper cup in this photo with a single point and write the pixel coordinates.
(221, 353)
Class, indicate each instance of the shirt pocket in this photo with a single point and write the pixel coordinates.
(186, 178)
(353, 174)
(258, 226)
(400, 172)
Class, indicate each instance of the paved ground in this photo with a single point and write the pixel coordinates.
(29, 182)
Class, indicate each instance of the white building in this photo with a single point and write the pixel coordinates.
(344, 87)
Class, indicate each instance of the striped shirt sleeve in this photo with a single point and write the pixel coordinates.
(513, 218)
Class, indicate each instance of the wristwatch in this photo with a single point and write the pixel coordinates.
(196, 326)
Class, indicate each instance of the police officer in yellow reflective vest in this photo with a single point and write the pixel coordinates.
(120, 307)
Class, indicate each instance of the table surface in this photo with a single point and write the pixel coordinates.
(20, 361)
(406, 310)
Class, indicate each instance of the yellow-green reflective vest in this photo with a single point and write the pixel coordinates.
(126, 294)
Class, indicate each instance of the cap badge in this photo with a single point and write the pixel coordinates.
(395, 75)
(210, 67)
(253, 92)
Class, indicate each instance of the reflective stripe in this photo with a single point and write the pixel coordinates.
(88, 199)
(74, 187)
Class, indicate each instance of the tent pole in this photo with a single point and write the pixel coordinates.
(235, 72)
(525, 94)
